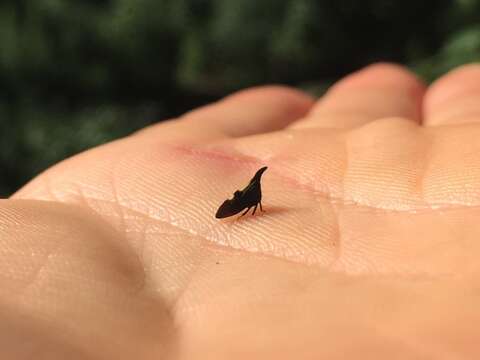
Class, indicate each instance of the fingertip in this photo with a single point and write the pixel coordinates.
(291, 100)
(383, 74)
(254, 111)
(461, 73)
(458, 82)
(380, 90)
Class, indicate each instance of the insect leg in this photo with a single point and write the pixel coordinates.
(261, 206)
(245, 211)
(254, 209)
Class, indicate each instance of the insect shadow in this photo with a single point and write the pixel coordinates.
(250, 196)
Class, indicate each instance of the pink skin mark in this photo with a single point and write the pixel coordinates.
(234, 161)
(225, 156)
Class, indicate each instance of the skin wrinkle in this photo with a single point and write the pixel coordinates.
(214, 155)
(48, 186)
(192, 150)
(183, 232)
(337, 246)
(318, 195)
(117, 199)
(82, 196)
(56, 250)
(85, 204)
(175, 304)
(191, 276)
(424, 169)
(141, 252)
(141, 284)
(305, 187)
(205, 238)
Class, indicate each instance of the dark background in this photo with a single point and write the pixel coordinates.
(74, 74)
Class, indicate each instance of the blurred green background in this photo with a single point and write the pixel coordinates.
(74, 74)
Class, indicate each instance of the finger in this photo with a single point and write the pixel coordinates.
(454, 98)
(378, 91)
(248, 112)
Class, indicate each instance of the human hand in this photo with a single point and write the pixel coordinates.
(369, 247)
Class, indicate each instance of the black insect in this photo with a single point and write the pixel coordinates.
(247, 198)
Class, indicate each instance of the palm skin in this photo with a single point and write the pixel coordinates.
(368, 247)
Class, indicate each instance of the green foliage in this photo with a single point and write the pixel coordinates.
(77, 73)
(461, 48)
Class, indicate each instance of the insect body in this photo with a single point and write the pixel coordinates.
(247, 198)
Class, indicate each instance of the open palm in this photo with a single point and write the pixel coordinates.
(368, 248)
